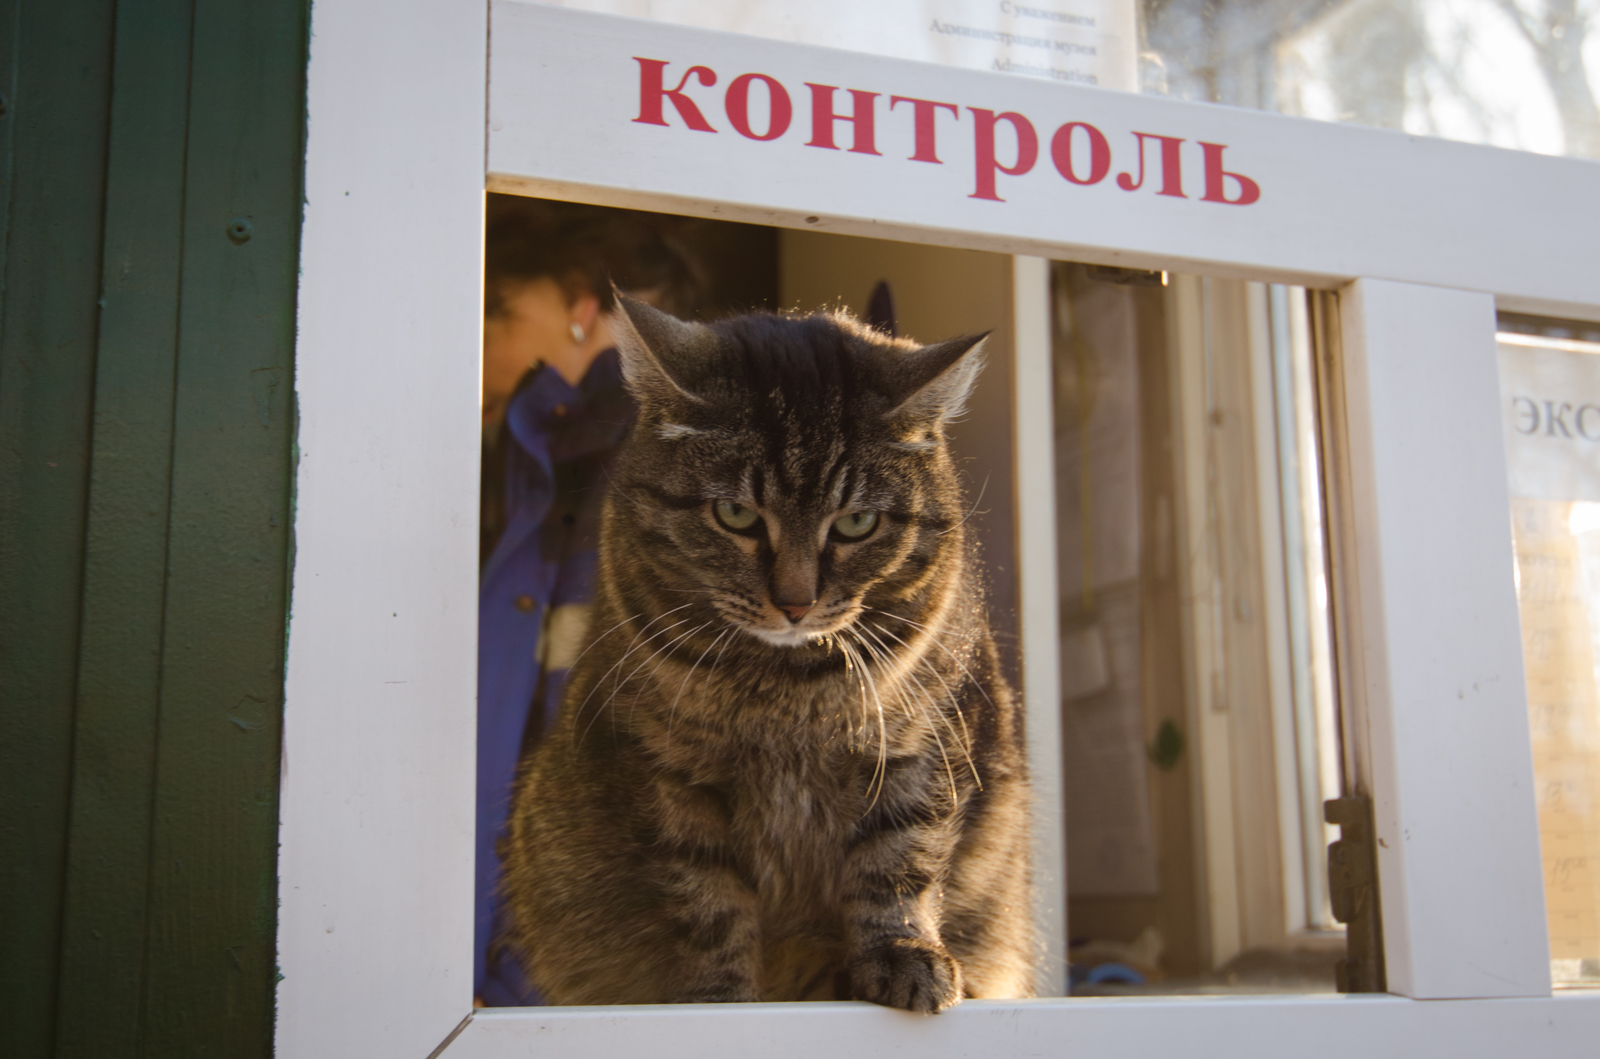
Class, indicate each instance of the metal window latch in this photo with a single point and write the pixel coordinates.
(1353, 892)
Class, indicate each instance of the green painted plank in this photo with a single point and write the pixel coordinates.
(119, 663)
(214, 843)
(57, 113)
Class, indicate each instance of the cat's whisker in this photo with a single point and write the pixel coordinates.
(880, 772)
(655, 654)
(672, 712)
(616, 665)
(933, 639)
(596, 641)
(880, 765)
(955, 703)
(908, 702)
(923, 703)
(973, 510)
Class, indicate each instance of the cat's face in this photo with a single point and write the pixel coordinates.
(788, 473)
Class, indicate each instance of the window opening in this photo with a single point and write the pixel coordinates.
(1550, 402)
(1199, 728)
(1197, 702)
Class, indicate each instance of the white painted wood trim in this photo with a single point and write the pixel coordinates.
(1317, 1027)
(1033, 433)
(1275, 605)
(1445, 700)
(376, 805)
(1337, 202)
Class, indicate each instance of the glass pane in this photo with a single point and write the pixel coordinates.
(1515, 73)
(1093, 42)
(1197, 714)
(1550, 391)
(1551, 399)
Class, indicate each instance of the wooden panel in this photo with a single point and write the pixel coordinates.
(57, 65)
(375, 941)
(1442, 690)
(213, 878)
(143, 667)
(1323, 1027)
(1039, 606)
(119, 659)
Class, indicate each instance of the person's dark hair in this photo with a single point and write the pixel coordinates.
(587, 249)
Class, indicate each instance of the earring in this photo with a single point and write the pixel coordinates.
(578, 334)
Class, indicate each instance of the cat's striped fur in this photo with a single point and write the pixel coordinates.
(737, 804)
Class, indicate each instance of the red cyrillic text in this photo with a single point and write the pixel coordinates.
(779, 109)
(1216, 188)
(1099, 153)
(987, 166)
(1081, 152)
(653, 90)
(924, 111)
(861, 118)
(1171, 167)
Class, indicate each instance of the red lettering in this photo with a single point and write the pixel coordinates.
(924, 111)
(1171, 162)
(1099, 152)
(861, 120)
(1027, 150)
(1216, 188)
(652, 90)
(779, 109)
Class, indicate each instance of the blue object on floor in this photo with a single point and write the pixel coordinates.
(1118, 973)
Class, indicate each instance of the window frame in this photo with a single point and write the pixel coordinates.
(376, 803)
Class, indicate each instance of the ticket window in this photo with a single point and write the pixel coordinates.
(1550, 401)
(374, 803)
(1189, 715)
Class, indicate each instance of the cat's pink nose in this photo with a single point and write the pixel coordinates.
(796, 612)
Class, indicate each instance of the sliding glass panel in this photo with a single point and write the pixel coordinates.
(1198, 718)
(1550, 393)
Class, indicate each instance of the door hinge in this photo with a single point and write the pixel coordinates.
(1353, 892)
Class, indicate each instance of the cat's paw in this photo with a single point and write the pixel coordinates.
(906, 973)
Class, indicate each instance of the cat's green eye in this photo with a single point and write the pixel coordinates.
(735, 517)
(857, 524)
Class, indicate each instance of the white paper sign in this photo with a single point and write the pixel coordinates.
(1550, 401)
(1086, 42)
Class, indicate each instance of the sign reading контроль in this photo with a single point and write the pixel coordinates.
(627, 112)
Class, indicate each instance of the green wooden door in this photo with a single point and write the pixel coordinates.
(152, 153)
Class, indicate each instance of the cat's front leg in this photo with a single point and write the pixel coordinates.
(892, 911)
(710, 901)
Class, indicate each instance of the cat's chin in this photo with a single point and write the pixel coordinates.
(791, 637)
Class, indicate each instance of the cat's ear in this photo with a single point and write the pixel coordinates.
(936, 380)
(650, 342)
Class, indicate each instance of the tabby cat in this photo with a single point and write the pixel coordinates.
(788, 766)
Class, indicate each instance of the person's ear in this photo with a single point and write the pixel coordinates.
(584, 311)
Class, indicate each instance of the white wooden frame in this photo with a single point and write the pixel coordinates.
(1424, 237)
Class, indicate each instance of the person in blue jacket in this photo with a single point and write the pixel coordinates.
(554, 412)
